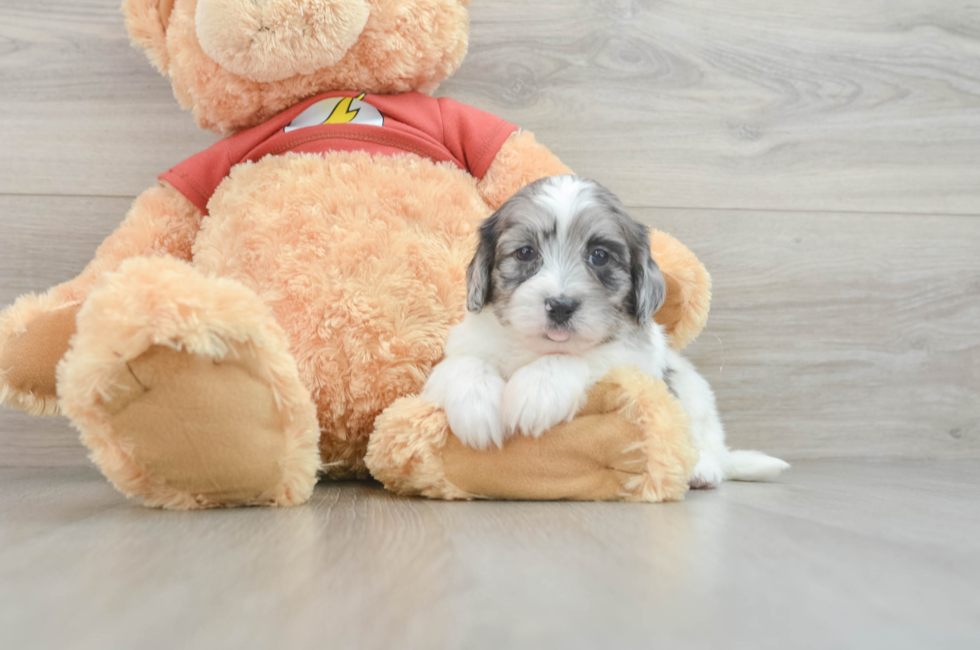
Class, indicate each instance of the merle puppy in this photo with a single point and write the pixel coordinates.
(561, 289)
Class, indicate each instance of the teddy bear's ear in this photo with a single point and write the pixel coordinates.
(146, 21)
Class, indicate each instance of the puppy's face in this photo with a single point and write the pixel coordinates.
(564, 267)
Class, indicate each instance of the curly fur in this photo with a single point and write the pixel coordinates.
(14, 321)
(685, 313)
(164, 301)
(521, 161)
(406, 450)
(146, 22)
(365, 289)
(405, 45)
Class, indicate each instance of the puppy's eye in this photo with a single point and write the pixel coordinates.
(598, 257)
(526, 254)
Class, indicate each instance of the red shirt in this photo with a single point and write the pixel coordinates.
(438, 129)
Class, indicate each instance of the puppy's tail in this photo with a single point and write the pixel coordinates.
(752, 466)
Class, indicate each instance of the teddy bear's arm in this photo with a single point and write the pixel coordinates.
(161, 222)
(629, 442)
(36, 329)
(685, 310)
(520, 161)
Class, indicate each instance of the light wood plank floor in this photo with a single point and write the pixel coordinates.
(842, 554)
(823, 160)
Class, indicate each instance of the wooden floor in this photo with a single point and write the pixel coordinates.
(842, 554)
(823, 160)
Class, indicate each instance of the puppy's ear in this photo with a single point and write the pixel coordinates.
(649, 287)
(479, 282)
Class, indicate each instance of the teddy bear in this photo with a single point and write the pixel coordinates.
(265, 316)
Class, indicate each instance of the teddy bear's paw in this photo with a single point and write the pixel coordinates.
(183, 387)
(200, 426)
(34, 335)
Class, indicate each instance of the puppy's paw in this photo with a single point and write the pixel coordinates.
(468, 391)
(708, 473)
(544, 393)
(475, 420)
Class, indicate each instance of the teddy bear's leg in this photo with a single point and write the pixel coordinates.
(630, 442)
(35, 330)
(184, 388)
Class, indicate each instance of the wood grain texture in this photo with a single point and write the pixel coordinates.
(830, 334)
(45, 240)
(49, 239)
(82, 112)
(865, 105)
(838, 554)
(840, 334)
(869, 105)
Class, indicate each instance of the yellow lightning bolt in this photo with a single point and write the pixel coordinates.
(342, 114)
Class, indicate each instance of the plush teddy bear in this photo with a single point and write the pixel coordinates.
(241, 331)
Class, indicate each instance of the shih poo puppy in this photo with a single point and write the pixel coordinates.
(563, 288)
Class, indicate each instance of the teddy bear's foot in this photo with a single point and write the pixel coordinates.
(206, 428)
(629, 442)
(34, 335)
(184, 389)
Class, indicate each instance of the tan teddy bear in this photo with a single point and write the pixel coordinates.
(241, 331)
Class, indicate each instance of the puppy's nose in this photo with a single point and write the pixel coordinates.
(560, 309)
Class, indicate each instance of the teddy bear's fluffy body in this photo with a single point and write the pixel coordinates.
(224, 359)
(361, 260)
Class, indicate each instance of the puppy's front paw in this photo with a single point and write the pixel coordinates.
(708, 472)
(542, 394)
(468, 391)
(475, 419)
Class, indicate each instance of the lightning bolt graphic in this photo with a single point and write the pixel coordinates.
(342, 114)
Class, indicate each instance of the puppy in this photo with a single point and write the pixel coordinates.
(563, 288)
